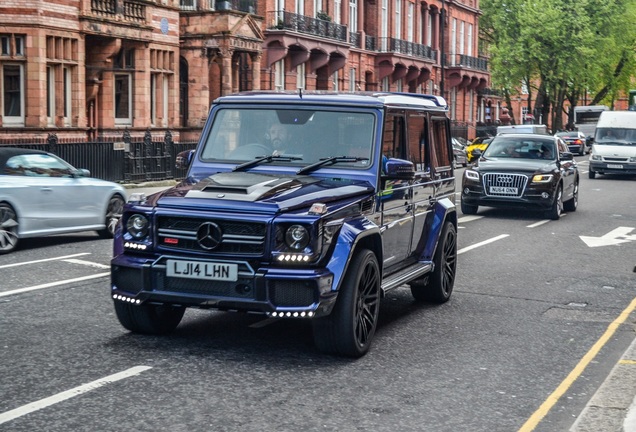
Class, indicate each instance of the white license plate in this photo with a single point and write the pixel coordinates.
(503, 190)
(615, 166)
(202, 270)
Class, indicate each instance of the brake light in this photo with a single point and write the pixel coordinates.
(578, 141)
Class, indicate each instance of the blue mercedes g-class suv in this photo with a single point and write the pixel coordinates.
(297, 206)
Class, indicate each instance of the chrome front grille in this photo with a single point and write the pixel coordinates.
(514, 184)
(236, 237)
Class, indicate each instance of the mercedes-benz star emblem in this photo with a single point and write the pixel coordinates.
(209, 235)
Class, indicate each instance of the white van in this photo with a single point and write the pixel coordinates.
(523, 129)
(614, 148)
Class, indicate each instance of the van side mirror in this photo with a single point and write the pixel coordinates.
(184, 158)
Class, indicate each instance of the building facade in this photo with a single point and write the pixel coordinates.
(97, 68)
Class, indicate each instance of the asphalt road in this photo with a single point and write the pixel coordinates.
(532, 300)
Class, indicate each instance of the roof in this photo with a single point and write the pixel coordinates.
(617, 119)
(368, 99)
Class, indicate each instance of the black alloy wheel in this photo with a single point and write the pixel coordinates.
(437, 286)
(114, 211)
(557, 206)
(351, 326)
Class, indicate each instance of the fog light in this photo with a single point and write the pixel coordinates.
(545, 195)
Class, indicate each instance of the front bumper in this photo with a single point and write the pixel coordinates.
(535, 196)
(280, 292)
(608, 167)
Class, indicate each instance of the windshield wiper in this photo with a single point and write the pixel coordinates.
(328, 161)
(262, 159)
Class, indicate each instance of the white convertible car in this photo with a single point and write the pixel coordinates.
(41, 194)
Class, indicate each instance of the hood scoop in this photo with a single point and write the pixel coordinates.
(242, 186)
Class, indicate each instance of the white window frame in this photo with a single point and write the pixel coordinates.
(398, 19)
(453, 47)
(153, 98)
(353, 15)
(469, 50)
(461, 37)
(409, 23)
(13, 120)
(399, 85)
(279, 75)
(317, 7)
(334, 79)
(68, 95)
(386, 86)
(50, 95)
(124, 121)
(352, 79)
(191, 4)
(385, 25)
(299, 7)
(301, 82)
(429, 30)
(337, 12)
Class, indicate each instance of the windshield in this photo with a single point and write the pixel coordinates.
(521, 148)
(615, 136)
(298, 137)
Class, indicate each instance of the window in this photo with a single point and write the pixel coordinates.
(317, 7)
(469, 50)
(417, 151)
(50, 95)
(153, 99)
(398, 19)
(393, 139)
(441, 138)
(39, 165)
(300, 7)
(461, 37)
(353, 15)
(12, 45)
(187, 4)
(336, 79)
(337, 14)
(300, 76)
(385, 25)
(429, 30)
(123, 99)
(166, 85)
(68, 95)
(279, 75)
(13, 94)
(453, 47)
(399, 85)
(385, 84)
(409, 29)
(352, 79)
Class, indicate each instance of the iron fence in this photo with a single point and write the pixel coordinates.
(121, 160)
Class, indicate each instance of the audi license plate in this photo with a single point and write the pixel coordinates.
(202, 270)
(615, 166)
(503, 190)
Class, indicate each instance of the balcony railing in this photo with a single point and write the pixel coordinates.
(389, 44)
(129, 10)
(370, 43)
(355, 38)
(282, 20)
(462, 60)
(248, 6)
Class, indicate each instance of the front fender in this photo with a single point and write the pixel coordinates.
(352, 235)
(445, 209)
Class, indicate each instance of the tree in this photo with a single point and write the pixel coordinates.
(561, 49)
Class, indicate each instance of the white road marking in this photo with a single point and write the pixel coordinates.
(52, 284)
(87, 263)
(468, 219)
(51, 400)
(485, 242)
(536, 224)
(43, 260)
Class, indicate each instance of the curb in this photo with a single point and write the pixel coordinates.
(613, 406)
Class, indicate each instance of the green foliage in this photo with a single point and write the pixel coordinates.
(563, 47)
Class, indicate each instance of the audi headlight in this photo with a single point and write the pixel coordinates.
(541, 178)
(137, 226)
(471, 175)
(297, 237)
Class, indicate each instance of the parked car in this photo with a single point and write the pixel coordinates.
(459, 154)
(41, 194)
(575, 140)
(478, 143)
(314, 223)
(523, 170)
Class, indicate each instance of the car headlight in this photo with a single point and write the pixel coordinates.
(137, 226)
(632, 159)
(596, 157)
(471, 175)
(541, 178)
(297, 237)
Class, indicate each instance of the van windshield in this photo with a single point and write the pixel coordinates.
(615, 136)
(298, 137)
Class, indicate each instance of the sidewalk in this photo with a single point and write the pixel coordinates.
(613, 406)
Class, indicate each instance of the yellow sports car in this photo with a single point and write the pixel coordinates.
(478, 143)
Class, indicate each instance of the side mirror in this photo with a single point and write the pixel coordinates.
(399, 169)
(184, 158)
(477, 153)
(567, 156)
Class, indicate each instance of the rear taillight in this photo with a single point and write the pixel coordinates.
(578, 141)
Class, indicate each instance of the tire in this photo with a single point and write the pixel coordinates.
(437, 286)
(582, 150)
(114, 210)
(148, 319)
(557, 206)
(591, 174)
(349, 329)
(571, 204)
(469, 209)
(8, 229)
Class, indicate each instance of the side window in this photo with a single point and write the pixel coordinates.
(393, 138)
(441, 141)
(15, 166)
(417, 150)
(45, 166)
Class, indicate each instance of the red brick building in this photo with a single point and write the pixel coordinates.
(94, 68)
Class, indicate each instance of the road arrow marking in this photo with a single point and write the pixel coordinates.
(614, 237)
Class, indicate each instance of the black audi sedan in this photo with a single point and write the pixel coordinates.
(530, 171)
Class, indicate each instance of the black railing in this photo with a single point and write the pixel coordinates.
(389, 44)
(118, 160)
(304, 24)
(462, 60)
(248, 6)
(370, 43)
(355, 39)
